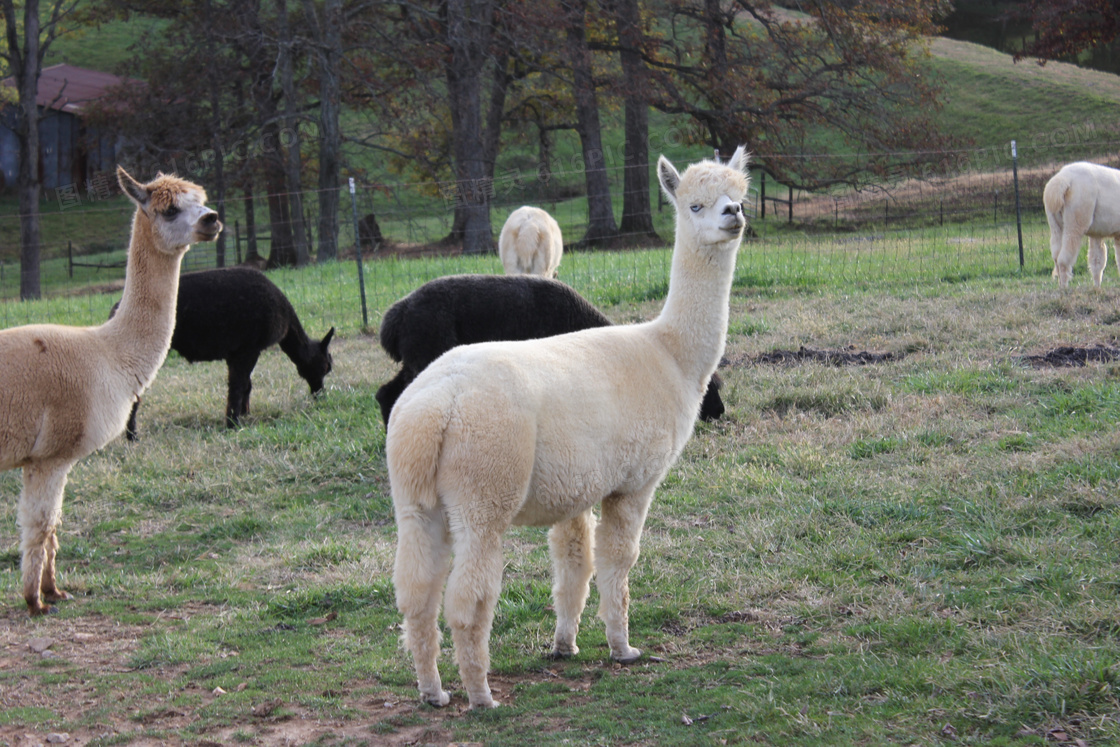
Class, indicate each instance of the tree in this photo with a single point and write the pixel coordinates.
(637, 217)
(839, 78)
(26, 46)
(601, 227)
(326, 44)
(1066, 28)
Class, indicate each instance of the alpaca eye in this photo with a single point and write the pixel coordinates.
(696, 208)
(171, 212)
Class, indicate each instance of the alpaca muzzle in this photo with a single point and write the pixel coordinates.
(208, 227)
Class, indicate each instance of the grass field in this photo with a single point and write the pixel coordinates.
(920, 551)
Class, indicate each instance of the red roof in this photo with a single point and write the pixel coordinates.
(68, 89)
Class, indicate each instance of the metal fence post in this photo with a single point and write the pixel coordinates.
(1018, 207)
(358, 256)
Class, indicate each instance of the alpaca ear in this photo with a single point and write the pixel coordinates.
(669, 177)
(134, 189)
(739, 159)
(327, 339)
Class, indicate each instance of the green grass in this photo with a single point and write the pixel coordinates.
(896, 553)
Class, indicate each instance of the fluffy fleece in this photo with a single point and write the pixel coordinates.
(232, 315)
(65, 391)
(530, 243)
(1082, 199)
(540, 432)
(465, 309)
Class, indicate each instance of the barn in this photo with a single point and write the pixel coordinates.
(69, 153)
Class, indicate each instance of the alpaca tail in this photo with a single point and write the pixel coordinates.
(412, 450)
(1054, 197)
(390, 333)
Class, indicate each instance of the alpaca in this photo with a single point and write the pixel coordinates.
(530, 243)
(1082, 199)
(463, 309)
(539, 432)
(233, 314)
(66, 390)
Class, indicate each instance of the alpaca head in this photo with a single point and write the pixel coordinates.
(175, 208)
(317, 362)
(708, 198)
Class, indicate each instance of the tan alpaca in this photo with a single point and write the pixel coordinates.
(541, 432)
(530, 243)
(66, 391)
(1082, 199)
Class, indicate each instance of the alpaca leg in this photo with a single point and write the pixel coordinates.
(472, 594)
(49, 585)
(1098, 258)
(1071, 247)
(422, 565)
(616, 550)
(240, 385)
(572, 546)
(1055, 239)
(39, 514)
(130, 432)
(391, 391)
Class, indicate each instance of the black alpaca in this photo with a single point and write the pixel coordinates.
(233, 314)
(464, 309)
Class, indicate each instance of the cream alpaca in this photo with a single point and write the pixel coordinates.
(1082, 199)
(530, 243)
(66, 391)
(541, 431)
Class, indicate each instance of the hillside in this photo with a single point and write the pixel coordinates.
(1054, 111)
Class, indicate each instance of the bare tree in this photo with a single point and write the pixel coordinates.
(601, 228)
(325, 29)
(27, 45)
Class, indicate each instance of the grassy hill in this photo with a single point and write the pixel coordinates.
(990, 99)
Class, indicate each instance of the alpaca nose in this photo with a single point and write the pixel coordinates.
(733, 209)
(210, 220)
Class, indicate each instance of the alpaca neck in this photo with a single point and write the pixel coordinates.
(693, 322)
(141, 329)
(296, 344)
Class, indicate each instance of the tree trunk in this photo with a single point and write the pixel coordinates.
(600, 213)
(26, 66)
(290, 141)
(637, 216)
(329, 33)
(252, 256)
(468, 29)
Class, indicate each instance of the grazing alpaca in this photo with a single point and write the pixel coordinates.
(65, 391)
(1082, 199)
(233, 314)
(530, 243)
(539, 432)
(463, 309)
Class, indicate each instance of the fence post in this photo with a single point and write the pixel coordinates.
(762, 198)
(70, 257)
(790, 206)
(237, 239)
(358, 256)
(1018, 206)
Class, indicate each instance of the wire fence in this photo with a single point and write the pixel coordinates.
(915, 230)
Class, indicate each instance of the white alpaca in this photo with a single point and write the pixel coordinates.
(66, 391)
(541, 431)
(1082, 199)
(530, 243)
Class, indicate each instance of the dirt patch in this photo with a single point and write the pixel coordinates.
(849, 356)
(1069, 357)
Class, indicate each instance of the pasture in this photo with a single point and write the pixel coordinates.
(915, 551)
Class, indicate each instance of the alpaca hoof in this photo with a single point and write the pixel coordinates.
(562, 652)
(487, 702)
(56, 595)
(439, 701)
(629, 656)
(41, 610)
